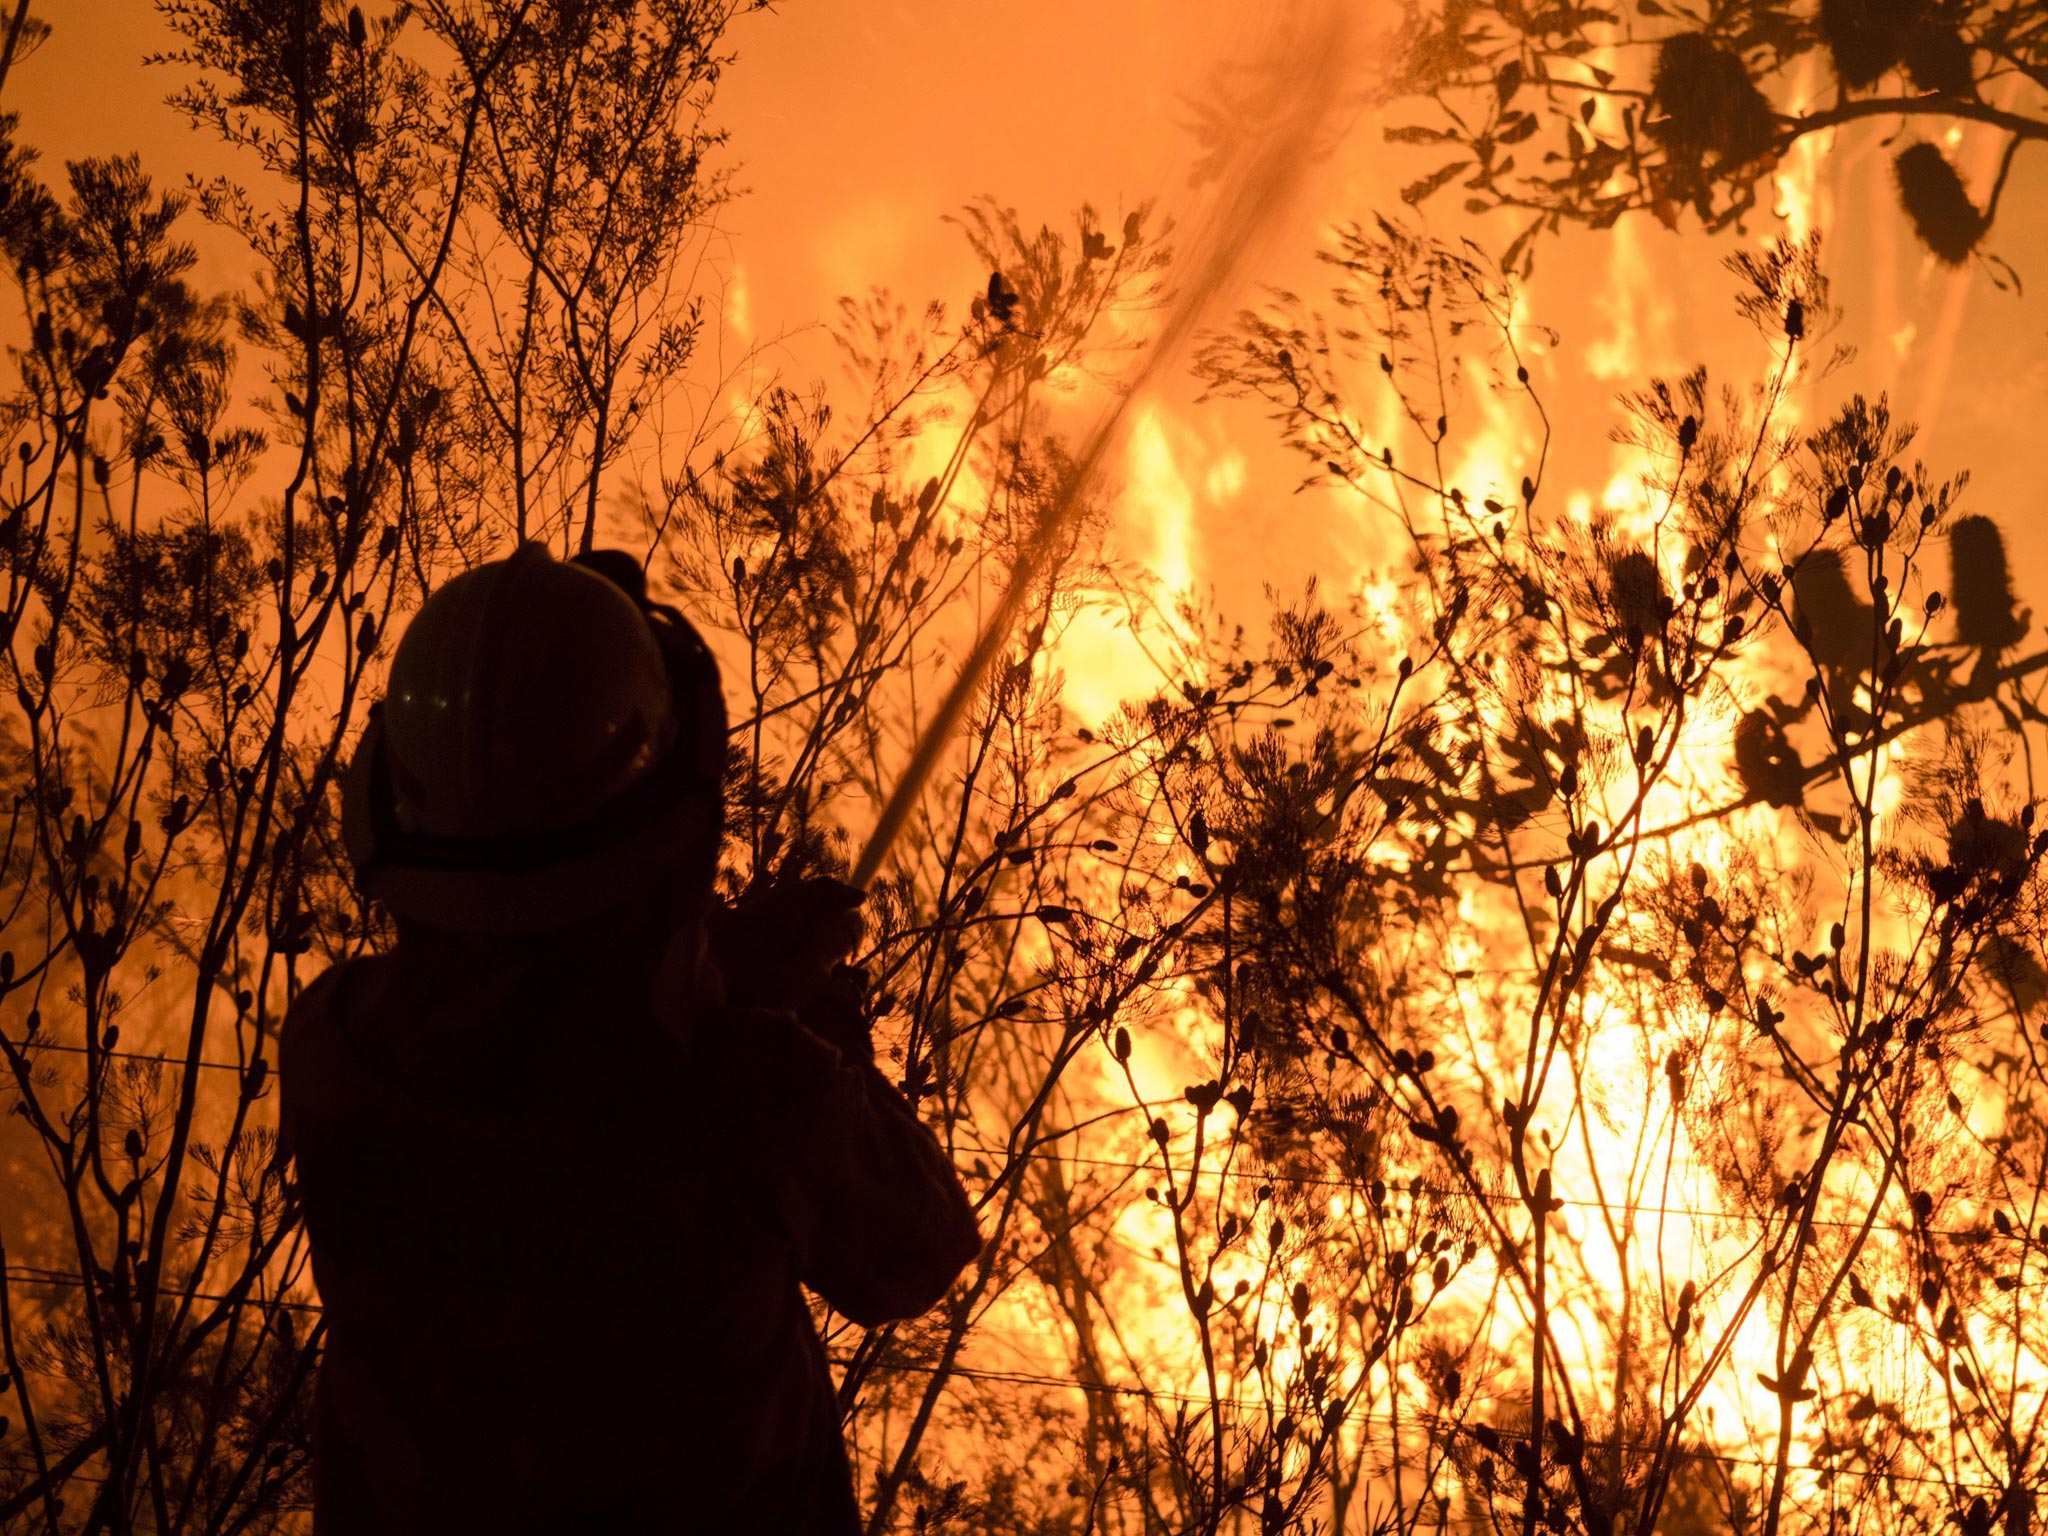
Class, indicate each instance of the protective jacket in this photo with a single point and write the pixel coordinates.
(560, 1241)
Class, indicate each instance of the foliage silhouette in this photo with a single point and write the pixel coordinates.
(1589, 113)
(1545, 1036)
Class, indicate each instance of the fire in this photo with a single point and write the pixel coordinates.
(1162, 503)
(1804, 199)
(1121, 1299)
(1105, 651)
(1619, 1143)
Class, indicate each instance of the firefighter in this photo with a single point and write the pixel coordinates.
(568, 1151)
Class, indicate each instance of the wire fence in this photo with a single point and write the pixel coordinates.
(1442, 1428)
(1268, 1175)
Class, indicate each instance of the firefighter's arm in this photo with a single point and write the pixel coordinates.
(837, 1161)
(872, 1204)
(890, 1226)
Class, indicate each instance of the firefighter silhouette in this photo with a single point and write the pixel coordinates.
(570, 1150)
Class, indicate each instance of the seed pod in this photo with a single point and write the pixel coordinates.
(1636, 589)
(1931, 192)
(1980, 585)
(1938, 59)
(1825, 606)
(1865, 37)
(1706, 103)
(1986, 846)
(1766, 763)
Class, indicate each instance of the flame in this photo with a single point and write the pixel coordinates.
(1163, 503)
(1178, 481)
(1105, 651)
(1803, 202)
(739, 304)
(1633, 304)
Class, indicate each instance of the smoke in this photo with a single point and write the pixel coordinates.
(1283, 126)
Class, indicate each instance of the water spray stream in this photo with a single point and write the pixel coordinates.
(1302, 76)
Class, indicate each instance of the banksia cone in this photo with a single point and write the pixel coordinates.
(1766, 763)
(1980, 586)
(1865, 37)
(1943, 216)
(1636, 589)
(1985, 845)
(2016, 969)
(1836, 621)
(1937, 59)
(1706, 102)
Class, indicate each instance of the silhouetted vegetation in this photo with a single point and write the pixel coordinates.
(1543, 1032)
(1587, 113)
(467, 222)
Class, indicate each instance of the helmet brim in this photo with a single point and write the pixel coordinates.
(627, 863)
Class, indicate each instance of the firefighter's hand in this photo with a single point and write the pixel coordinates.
(786, 947)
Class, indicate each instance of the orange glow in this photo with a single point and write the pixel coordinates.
(861, 130)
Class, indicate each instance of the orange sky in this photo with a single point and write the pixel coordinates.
(859, 125)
